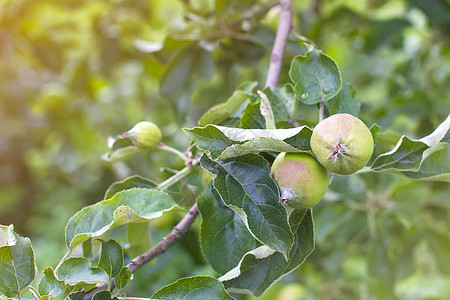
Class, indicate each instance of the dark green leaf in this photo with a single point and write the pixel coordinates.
(111, 257)
(262, 267)
(135, 205)
(77, 295)
(128, 183)
(49, 285)
(252, 118)
(223, 237)
(244, 184)
(17, 265)
(316, 77)
(345, 101)
(104, 295)
(193, 288)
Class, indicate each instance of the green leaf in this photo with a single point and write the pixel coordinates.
(17, 265)
(283, 103)
(122, 154)
(435, 166)
(224, 238)
(374, 131)
(50, 286)
(111, 257)
(426, 158)
(77, 295)
(198, 287)
(128, 183)
(345, 101)
(124, 276)
(316, 77)
(130, 206)
(209, 138)
(252, 117)
(75, 270)
(261, 268)
(244, 185)
(138, 237)
(226, 142)
(220, 112)
(103, 295)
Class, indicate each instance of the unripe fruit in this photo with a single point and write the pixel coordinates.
(342, 143)
(144, 135)
(302, 180)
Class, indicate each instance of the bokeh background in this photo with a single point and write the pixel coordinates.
(73, 72)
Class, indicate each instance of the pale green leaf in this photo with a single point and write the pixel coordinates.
(17, 264)
(50, 286)
(111, 257)
(77, 270)
(220, 112)
(123, 277)
(138, 237)
(135, 205)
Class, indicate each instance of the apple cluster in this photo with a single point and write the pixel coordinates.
(342, 144)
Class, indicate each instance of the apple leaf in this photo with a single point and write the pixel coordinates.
(244, 185)
(17, 264)
(316, 77)
(262, 267)
(135, 205)
(224, 239)
(194, 288)
(227, 142)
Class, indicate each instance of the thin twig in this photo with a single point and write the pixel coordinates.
(276, 58)
(167, 148)
(252, 13)
(168, 241)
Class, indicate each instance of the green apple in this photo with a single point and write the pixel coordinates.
(302, 180)
(342, 144)
(144, 135)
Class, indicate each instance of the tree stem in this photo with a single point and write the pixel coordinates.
(279, 46)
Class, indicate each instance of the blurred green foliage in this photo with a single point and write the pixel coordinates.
(73, 73)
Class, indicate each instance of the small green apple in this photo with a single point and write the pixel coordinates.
(342, 144)
(302, 180)
(144, 135)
